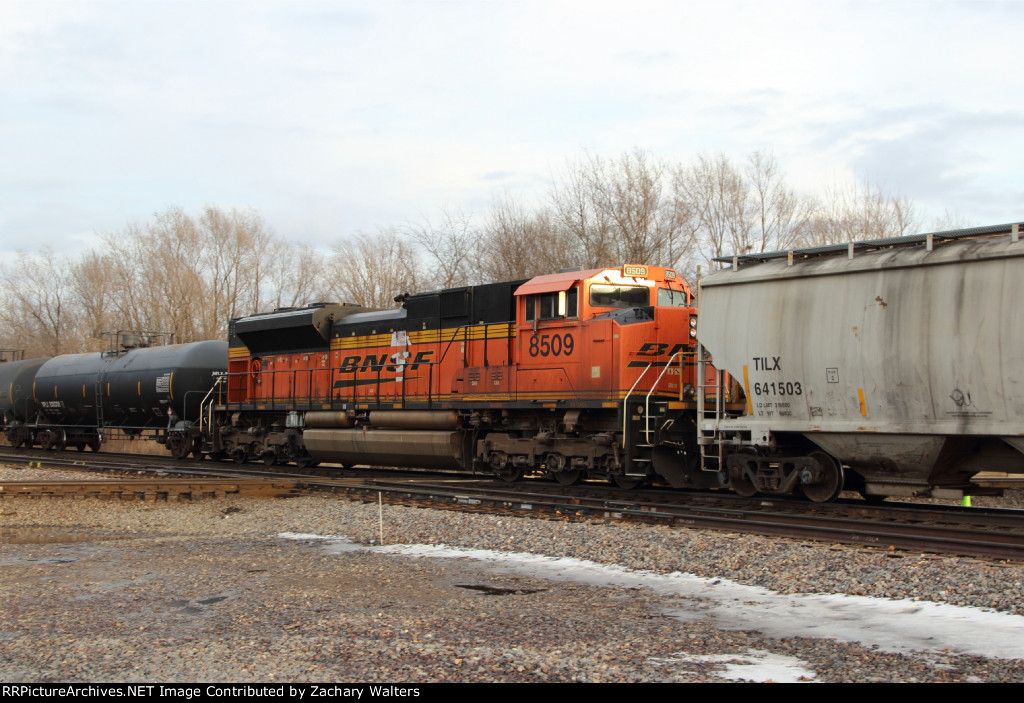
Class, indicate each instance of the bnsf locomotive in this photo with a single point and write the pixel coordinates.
(588, 373)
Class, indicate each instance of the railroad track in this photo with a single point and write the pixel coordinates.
(978, 532)
(148, 488)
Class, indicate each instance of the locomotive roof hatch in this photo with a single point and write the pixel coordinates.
(627, 274)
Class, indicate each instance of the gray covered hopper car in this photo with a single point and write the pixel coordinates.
(895, 364)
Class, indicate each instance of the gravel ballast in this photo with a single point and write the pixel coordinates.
(247, 590)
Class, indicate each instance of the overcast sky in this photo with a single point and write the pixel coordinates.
(331, 117)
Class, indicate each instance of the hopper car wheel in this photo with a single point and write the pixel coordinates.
(627, 483)
(738, 482)
(831, 484)
(80, 446)
(94, 444)
(568, 478)
(743, 487)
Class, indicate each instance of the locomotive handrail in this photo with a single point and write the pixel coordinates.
(625, 401)
(647, 401)
(217, 381)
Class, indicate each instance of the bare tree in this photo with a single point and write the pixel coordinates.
(447, 244)
(586, 229)
(718, 198)
(647, 225)
(37, 309)
(782, 218)
(858, 211)
(297, 275)
(94, 283)
(517, 243)
(371, 271)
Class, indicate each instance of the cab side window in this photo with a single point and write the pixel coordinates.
(553, 306)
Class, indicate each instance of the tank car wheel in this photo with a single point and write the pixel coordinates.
(568, 478)
(94, 444)
(178, 447)
(509, 473)
(80, 446)
(627, 483)
(306, 462)
(831, 484)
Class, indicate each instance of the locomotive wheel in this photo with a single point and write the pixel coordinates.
(831, 484)
(627, 483)
(239, 456)
(306, 462)
(568, 478)
(269, 458)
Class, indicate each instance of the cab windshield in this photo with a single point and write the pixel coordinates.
(607, 296)
(668, 298)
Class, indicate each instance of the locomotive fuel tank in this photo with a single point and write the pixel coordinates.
(903, 359)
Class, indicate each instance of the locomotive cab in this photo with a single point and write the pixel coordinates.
(588, 335)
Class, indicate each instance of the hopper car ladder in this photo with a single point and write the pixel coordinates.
(710, 459)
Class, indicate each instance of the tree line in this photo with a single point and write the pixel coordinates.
(191, 273)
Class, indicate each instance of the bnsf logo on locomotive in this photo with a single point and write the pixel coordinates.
(372, 363)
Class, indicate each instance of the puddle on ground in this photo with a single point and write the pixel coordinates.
(51, 535)
(499, 591)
